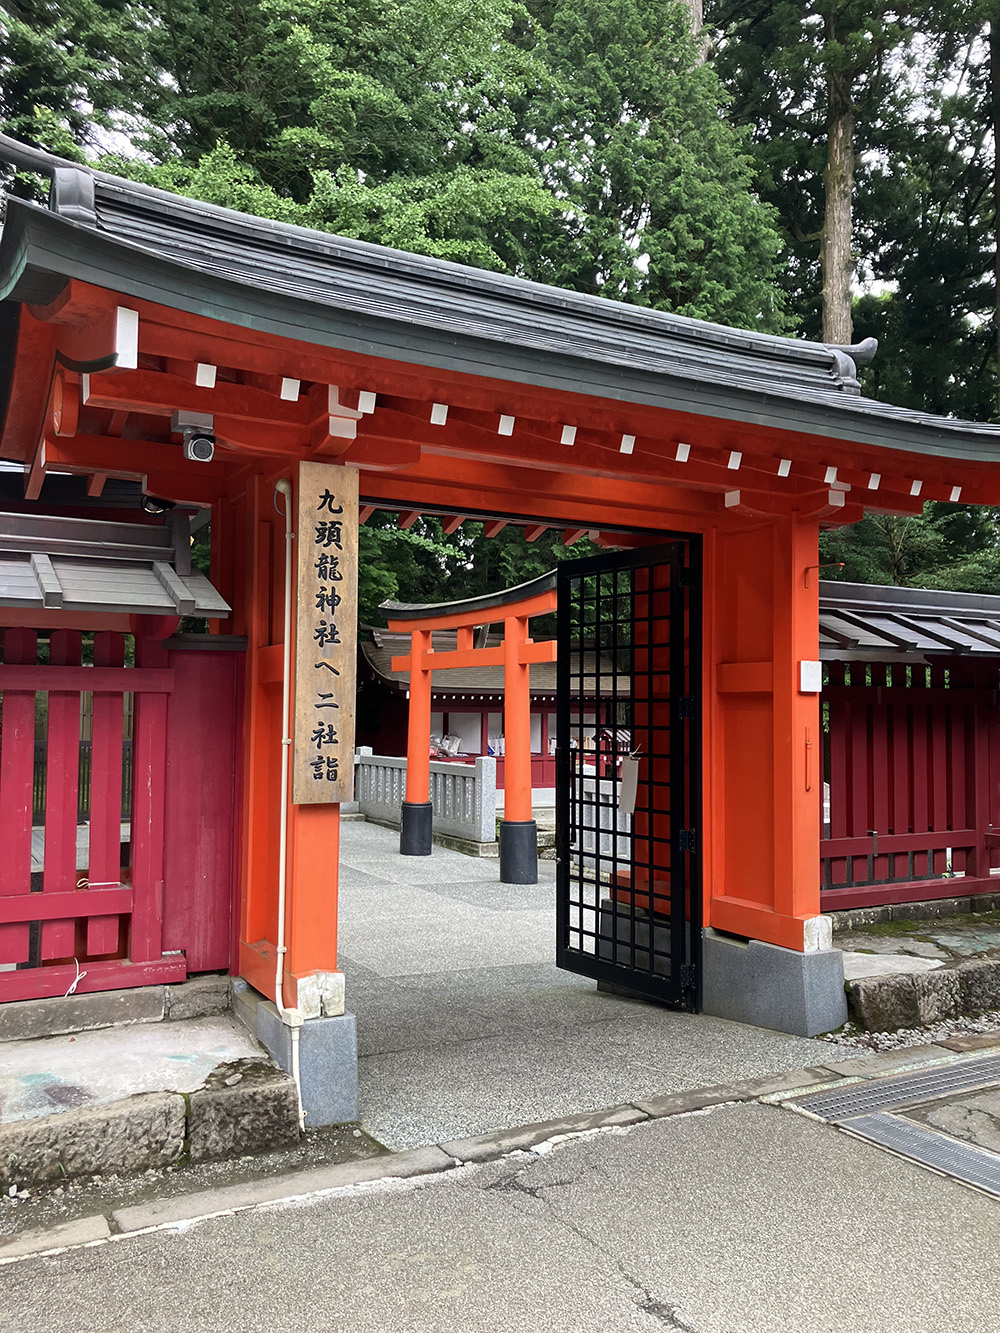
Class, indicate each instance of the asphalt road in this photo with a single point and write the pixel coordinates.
(743, 1219)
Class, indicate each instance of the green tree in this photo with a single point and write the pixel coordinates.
(657, 185)
(388, 122)
(948, 546)
(61, 70)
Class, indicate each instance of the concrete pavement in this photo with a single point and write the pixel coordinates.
(736, 1219)
(466, 1025)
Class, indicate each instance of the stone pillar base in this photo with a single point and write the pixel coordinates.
(416, 828)
(328, 1055)
(771, 987)
(518, 851)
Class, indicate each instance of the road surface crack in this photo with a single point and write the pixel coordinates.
(666, 1314)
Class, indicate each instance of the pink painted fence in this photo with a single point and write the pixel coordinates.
(112, 905)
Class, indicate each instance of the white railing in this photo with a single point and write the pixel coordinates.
(463, 796)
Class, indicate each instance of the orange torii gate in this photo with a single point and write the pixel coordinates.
(514, 607)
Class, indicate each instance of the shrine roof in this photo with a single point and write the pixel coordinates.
(875, 622)
(489, 601)
(81, 564)
(367, 299)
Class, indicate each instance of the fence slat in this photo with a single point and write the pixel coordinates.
(61, 795)
(149, 760)
(915, 766)
(104, 869)
(17, 768)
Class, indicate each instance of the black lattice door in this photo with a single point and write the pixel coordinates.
(628, 784)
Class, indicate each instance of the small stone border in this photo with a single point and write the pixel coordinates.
(918, 999)
(435, 1160)
(243, 1107)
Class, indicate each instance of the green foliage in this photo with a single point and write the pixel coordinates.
(423, 564)
(60, 72)
(657, 183)
(583, 145)
(955, 547)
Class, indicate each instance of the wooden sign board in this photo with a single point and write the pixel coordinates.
(326, 633)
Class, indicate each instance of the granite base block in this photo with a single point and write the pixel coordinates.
(328, 1056)
(771, 987)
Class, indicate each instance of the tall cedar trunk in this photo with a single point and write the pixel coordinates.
(836, 260)
(995, 118)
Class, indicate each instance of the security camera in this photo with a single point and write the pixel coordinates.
(197, 430)
(199, 446)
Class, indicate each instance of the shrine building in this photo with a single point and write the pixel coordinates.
(164, 362)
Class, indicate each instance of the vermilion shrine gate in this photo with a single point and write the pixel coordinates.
(137, 326)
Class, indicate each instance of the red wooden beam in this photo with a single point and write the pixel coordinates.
(102, 680)
(407, 520)
(450, 525)
(533, 533)
(40, 982)
(64, 907)
(494, 527)
(95, 483)
(574, 535)
(364, 514)
(165, 332)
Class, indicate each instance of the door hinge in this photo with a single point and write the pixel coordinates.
(687, 975)
(686, 706)
(687, 576)
(686, 840)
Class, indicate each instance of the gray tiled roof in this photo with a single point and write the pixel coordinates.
(366, 298)
(875, 622)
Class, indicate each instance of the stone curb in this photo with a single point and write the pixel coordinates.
(438, 1159)
(486, 1147)
(913, 999)
(66, 1235)
(233, 1198)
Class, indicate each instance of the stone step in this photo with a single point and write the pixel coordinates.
(129, 1097)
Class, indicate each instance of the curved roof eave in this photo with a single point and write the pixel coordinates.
(448, 317)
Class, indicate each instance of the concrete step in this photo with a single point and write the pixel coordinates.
(125, 1099)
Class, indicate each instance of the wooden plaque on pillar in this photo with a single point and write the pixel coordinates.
(326, 632)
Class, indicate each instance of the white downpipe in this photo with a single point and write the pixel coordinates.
(292, 1018)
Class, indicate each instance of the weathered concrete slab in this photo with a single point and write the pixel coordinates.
(201, 997)
(41, 1078)
(858, 965)
(245, 1107)
(26, 1020)
(131, 1135)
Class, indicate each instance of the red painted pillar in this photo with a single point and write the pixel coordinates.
(518, 834)
(763, 748)
(416, 819)
(516, 723)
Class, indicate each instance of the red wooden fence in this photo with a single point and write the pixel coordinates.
(97, 906)
(912, 758)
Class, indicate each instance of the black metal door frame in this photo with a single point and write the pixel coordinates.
(600, 931)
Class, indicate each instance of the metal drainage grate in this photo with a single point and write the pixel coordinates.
(962, 1161)
(920, 1086)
